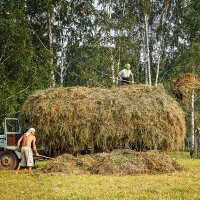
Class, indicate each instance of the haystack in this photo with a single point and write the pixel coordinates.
(118, 162)
(76, 118)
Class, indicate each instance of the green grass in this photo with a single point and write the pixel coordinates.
(179, 185)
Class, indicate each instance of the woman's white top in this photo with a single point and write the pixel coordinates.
(125, 73)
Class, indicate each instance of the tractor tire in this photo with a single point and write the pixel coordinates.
(8, 160)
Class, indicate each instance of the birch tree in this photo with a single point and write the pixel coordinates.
(192, 121)
(146, 20)
(50, 37)
(107, 11)
(163, 19)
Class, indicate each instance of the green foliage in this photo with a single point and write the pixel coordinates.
(20, 71)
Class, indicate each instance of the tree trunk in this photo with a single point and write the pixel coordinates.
(144, 54)
(163, 20)
(113, 68)
(120, 34)
(63, 41)
(192, 122)
(110, 38)
(198, 150)
(159, 58)
(146, 18)
(117, 70)
(62, 64)
(50, 35)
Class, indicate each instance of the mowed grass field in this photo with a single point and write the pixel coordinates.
(179, 185)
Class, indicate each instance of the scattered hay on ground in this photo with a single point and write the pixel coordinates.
(68, 164)
(76, 118)
(118, 162)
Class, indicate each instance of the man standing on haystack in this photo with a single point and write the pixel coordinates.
(27, 140)
(126, 75)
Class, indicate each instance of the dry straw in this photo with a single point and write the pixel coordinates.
(184, 85)
(76, 118)
(118, 162)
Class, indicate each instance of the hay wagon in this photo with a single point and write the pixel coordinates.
(72, 119)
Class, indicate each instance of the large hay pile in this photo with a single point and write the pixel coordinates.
(118, 162)
(76, 118)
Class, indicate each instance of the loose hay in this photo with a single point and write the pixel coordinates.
(118, 162)
(77, 118)
(184, 85)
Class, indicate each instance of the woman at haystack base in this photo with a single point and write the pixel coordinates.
(126, 75)
(27, 140)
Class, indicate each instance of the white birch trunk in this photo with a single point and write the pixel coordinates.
(62, 66)
(146, 18)
(163, 20)
(119, 61)
(158, 68)
(117, 79)
(50, 35)
(145, 56)
(192, 122)
(119, 58)
(112, 57)
(113, 68)
(198, 145)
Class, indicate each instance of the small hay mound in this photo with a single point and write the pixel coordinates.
(76, 118)
(118, 162)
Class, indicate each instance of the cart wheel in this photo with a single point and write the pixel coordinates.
(8, 160)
